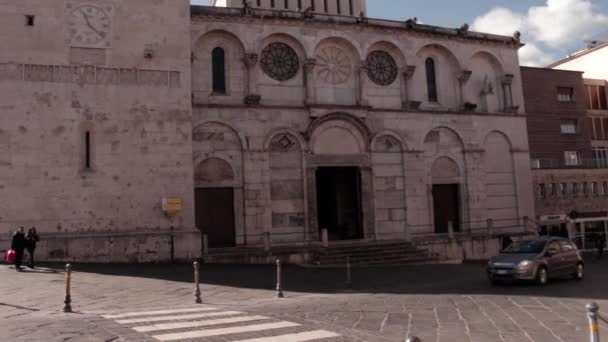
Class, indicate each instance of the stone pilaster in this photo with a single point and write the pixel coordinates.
(309, 94)
(406, 75)
(252, 96)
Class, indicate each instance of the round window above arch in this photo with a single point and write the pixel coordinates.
(381, 68)
(279, 61)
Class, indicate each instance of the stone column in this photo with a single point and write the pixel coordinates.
(309, 95)
(359, 84)
(508, 94)
(311, 202)
(251, 92)
(462, 81)
(475, 189)
(406, 75)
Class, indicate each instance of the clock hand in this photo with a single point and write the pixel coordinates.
(88, 22)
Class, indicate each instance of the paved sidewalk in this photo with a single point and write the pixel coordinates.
(435, 302)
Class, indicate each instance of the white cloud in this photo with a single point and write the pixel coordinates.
(499, 21)
(563, 24)
(531, 55)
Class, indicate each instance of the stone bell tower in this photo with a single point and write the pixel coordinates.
(334, 7)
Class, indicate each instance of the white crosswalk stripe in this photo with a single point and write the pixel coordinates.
(170, 326)
(203, 323)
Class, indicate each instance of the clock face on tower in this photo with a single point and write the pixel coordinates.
(89, 26)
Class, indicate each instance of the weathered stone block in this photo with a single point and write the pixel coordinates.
(287, 189)
(11, 71)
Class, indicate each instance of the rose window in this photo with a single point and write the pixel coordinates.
(279, 61)
(334, 65)
(381, 68)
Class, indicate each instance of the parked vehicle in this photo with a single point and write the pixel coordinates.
(537, 260)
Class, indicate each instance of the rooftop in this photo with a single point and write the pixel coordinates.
(595, 47)
(410, 25)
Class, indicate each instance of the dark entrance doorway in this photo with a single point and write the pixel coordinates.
(339, 202)
(215, 215)
(446, 207)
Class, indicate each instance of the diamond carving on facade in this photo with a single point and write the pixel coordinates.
(381, 68)
(285, 143)
(279, 61)
(334, 65)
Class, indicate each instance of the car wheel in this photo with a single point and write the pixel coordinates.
(542, 276)
(579, 274)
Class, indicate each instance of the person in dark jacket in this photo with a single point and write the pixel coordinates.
(19, 244)
(31, 239)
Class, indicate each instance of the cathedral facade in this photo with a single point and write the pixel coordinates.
(134, 128)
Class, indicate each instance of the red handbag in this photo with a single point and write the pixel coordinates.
(11, 256)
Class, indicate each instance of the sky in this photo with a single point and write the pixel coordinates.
(551, 29)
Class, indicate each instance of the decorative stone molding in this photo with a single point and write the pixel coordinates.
(411, 23)
(89, 75)
(462, 30)
(512, 109)
(251, 59)
(508, 79)
(517, 36)
(253, 99)
(362, 19)
(409, 71)
(309, 63)
(415, 105)
(465, 76)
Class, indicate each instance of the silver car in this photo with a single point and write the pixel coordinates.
(537, 260)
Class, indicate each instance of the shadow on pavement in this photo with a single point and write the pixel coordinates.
(468, 278)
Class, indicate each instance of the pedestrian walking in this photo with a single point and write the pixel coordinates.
(32, 239)
(600, 243)
(18, 244)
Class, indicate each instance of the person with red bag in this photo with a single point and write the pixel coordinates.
(18, 245)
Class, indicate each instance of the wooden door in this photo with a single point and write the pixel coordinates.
(446, 207)
(215, 215)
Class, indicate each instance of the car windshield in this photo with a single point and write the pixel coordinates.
(526, 247)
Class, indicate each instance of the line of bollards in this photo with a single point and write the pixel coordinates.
(279, 285)
(594, 325)
(197, 287)
(68, 291)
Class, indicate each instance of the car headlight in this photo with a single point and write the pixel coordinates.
(524, 264)
(490, 263)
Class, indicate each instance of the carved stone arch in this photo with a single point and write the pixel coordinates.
(495, 133)
(202, 66)
(276, 134)
(484, 86)
(337, 61)
(445, 168)
(355, 121)
(387, 141)
(338, 36)
(447, 70)
(213, 171)
(284, 46)
(500, 183)
(494, 61)
(217, 131)
(439, 49)
(389, 47)
(498, 152)
(226, 34)
(352, 134)
(442, 138)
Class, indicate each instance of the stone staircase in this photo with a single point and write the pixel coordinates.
(365, 253)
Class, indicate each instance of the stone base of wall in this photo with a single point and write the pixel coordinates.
(142, 246)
